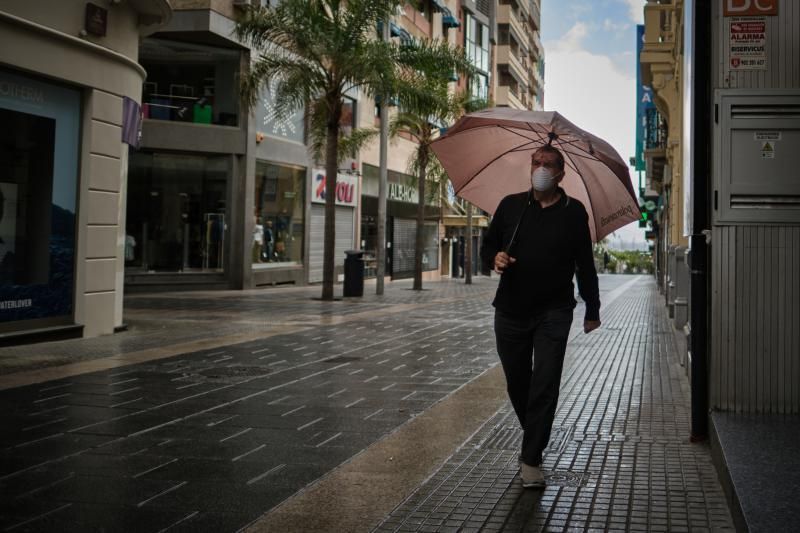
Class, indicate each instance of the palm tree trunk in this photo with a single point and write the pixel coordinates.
(331, 168)
(468, 253)
(423, 166)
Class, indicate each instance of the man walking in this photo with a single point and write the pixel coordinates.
(538, 240)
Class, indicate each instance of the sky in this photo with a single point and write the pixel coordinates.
(590, 76)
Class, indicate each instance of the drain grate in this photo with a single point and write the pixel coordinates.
(566, 478)
(560, 437)
(509, 438)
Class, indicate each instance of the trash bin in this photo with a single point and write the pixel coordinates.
(354, 273)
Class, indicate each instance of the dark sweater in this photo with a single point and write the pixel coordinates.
(552, 245)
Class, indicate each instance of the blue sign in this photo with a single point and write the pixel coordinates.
(644, 101)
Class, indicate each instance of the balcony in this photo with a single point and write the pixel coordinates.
(536, 45)
(507, 96)
(188, 82)
(659, 27)
(536, 15)
(505, 56)
(506, 14)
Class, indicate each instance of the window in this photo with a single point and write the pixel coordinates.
(477, 43)
(189, 82)
(177, 216)
(278, 220)
(39, 147)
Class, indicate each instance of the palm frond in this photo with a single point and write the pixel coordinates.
(353, 142)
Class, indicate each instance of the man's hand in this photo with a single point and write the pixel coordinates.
(590, 325)
(502, 261)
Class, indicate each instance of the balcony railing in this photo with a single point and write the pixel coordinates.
(536, 15)
(507, 15)
(506, 95)
(659, 25)
(655, 130)
(506, 56)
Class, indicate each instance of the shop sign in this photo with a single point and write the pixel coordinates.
(346, 188)
(748, 43)
(96, 20)
(738, 8)
(400, 192)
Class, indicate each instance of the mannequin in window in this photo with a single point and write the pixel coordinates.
(258, 240)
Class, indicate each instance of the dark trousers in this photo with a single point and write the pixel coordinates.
(531, 350)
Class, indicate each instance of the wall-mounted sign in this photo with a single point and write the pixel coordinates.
(96, 20)
(346, 188)
(400, 192)
(748, 37)
(738, 8)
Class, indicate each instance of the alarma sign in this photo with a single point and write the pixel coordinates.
(748, 43)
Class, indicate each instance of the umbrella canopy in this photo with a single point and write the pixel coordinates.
(487, 155)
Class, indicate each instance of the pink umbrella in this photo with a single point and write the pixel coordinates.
(487, 155)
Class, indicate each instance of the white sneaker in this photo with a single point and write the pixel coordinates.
(532, 476)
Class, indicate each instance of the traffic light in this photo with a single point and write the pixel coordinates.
(644, 218)
(648, 211)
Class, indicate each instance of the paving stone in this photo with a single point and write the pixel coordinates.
(621, 427)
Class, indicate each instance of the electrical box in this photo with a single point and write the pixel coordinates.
(757, 151)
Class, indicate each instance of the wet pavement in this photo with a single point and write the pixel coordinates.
(218, 411)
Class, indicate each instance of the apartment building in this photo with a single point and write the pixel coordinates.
(519, 57)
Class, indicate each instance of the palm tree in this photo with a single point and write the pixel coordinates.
(424, 124)
(319, 50)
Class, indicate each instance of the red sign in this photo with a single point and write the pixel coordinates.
(739, 8)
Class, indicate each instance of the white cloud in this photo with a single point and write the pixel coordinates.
(616, 27)
(593, 92)
(636, 10)
(573, 39)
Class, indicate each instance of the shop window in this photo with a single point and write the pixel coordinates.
(38, 184)
(189, 82)
(278, 227)
(177, 216)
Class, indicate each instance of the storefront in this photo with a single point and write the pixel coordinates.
(177, 217)
(279, 237)
(39, 153)
(401, 224)
(346, 211)
(70, 88)
(279, 229)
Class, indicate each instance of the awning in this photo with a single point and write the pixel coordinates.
(405, 37)
(440, 5)
(395, 31)
(448, 19)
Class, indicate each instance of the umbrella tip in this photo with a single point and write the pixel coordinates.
(552, 136)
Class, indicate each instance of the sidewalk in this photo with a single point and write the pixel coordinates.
(220, 410)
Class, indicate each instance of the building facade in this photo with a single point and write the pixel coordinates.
(70, 89)
(519, 58)
(662, 68)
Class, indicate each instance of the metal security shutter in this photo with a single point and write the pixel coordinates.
(345, 236)
(404, 239)
(404, 244)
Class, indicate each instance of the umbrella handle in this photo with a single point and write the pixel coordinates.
(519, 221)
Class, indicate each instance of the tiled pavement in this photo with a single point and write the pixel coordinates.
(619, 457)
(210, 440)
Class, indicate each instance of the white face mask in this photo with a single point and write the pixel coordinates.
(543, 179)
